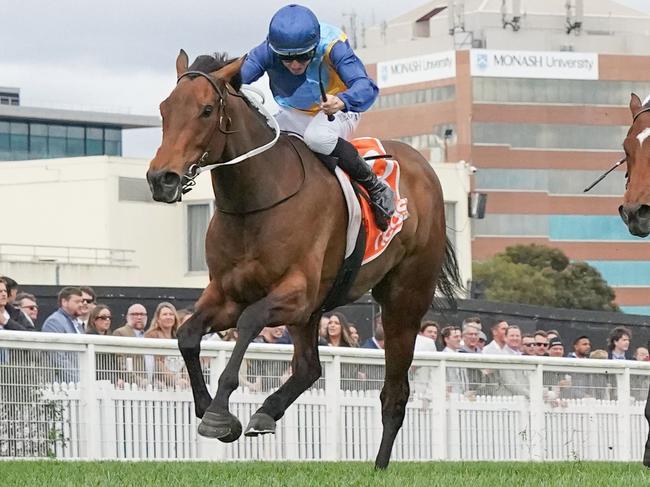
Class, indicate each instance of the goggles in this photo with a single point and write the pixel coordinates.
(301, 58)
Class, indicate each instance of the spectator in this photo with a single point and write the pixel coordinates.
(513, 340)
(555, 347)
(470, 335)
(276, 335)
(541, 343)
(550, 334)
(581, 347)
(473, 320)
(27, 304)
(99, 321)
(528, 345)
(16, 314)
(88, 298)
(482, 340)
(641, 354)
(136, 319)
(338, 331)
(6, 320)
(377, 340)
(498, 343)
(425, 340)
(450, 339)
(618, 344)
(354, 334)
(65, 319)
(456, 376)
(165, 370)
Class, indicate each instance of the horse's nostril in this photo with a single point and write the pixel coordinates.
(644, 212)
(170, 179)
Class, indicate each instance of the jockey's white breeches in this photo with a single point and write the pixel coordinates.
(319, 134)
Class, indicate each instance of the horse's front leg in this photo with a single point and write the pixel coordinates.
(305, 370)
(211, 314)
(286, 304)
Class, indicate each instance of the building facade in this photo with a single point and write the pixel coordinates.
(540, 110)
(43, 133)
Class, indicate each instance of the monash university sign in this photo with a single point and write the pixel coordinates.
(534, 64)
(417, 69)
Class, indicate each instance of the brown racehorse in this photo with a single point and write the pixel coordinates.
(275, 244)
(635, 210)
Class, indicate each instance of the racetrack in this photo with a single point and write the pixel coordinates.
(267, 474)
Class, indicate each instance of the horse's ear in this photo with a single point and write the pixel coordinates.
(181, 63)
(635, 104)
(230, 73)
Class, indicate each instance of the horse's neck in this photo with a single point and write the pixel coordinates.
(259, 182)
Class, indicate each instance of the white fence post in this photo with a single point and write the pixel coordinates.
(333, 408)
(89, 404)
(537, 440)
(624, 415)
(439, 410)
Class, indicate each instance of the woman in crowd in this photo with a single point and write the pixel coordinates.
(99, 321)
(338, 331)
(166, 371)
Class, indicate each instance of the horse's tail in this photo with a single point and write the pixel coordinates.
(450, 284)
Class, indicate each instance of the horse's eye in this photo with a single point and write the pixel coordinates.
(207, 111)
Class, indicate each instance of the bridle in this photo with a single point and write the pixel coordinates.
(620, 161)
(224, 125)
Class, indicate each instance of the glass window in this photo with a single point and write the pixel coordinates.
(94, 141)
(19, 140)
(428, 95)
(75, 141)
(557, 91)
(198, 217)
(56, 140)
(113, 142)
(38, 141)
(550, 136)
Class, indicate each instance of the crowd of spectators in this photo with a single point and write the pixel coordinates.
(79, 312)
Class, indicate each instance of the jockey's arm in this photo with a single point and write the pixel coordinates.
(362, 91)
(256, 63)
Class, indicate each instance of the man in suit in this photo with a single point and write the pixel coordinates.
(132, 367)
(64, 319)
(136, 319)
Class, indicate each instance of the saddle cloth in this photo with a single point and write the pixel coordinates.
(359, 209)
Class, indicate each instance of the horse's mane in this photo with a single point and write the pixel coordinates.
(208, 63)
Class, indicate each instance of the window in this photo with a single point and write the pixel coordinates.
(19, 140)
(198, 218)
(38, 141)
(113, 142)
(56, 139)
(75, 141)
(415, 97)
(550, 136)
(94, 141)
(556, 91)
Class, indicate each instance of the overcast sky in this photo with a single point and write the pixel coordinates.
(119, 55)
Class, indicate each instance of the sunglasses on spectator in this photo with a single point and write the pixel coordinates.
(33, 307)
(88, 301)
(104, 317)
(301, 58)
(541, 344)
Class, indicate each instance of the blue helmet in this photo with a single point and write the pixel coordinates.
(294, 30)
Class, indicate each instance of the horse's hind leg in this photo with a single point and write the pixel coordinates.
(405, 297)
(305, 370)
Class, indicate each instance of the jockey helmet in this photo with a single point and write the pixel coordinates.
(294, 30)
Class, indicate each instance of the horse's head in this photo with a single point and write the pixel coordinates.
(635, 210)
(195, 123)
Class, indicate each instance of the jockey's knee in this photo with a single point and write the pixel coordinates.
(319, 141)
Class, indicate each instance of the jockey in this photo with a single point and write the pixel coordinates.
(298, 54)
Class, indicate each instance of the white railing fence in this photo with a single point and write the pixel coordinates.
(92, 397)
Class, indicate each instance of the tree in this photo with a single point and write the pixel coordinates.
(535, 274)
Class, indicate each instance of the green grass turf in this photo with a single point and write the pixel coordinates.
(267, 474)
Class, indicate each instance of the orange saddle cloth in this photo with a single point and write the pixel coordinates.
(387, 170)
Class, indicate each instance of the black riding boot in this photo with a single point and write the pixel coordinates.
(381, 195)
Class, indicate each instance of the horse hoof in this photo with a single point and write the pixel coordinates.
(260, 424)
(222, 426)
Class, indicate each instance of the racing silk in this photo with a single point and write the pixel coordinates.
(342, 72)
